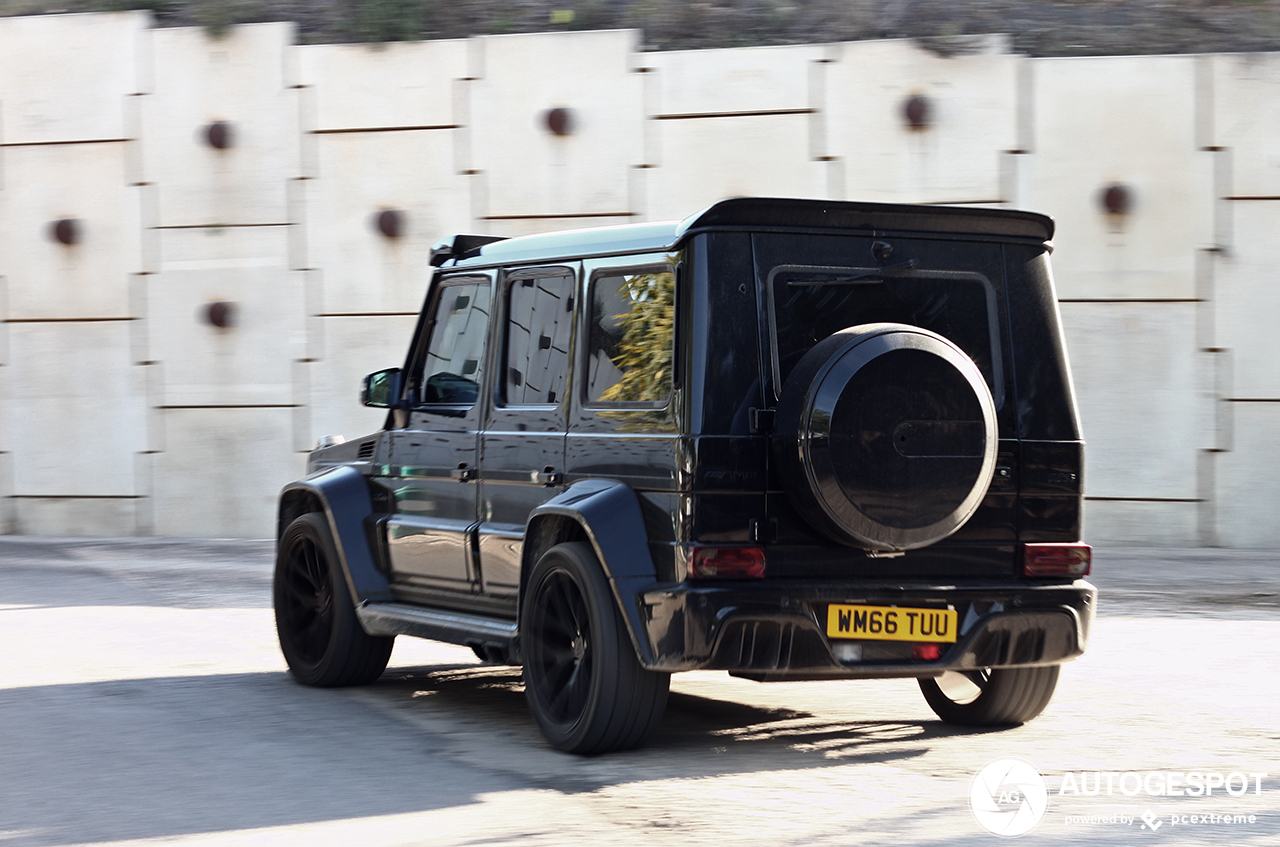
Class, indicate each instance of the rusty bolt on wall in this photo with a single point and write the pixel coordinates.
(219, 135)
(66, 231)
(559, 121)
(918, 112)
(220, 314)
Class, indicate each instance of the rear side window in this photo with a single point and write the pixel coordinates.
(631, 336)
(539, 319)
(810, 303)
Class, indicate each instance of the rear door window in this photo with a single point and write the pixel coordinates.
(631, 334)
(808, 303)
(540, 317)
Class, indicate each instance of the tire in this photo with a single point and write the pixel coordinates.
(991, 696)
(885, 437)
(320, 636)
(587, 690)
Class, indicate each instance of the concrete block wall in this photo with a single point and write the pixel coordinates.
(124, 411)
(1242, 471)
(73, 413)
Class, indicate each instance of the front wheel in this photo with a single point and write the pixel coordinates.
(991, 696)
(320, 636)
(587, 690)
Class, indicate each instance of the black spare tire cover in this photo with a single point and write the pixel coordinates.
(885, 437)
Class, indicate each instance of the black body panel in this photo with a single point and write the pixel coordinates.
(342, 493)
(694, 625)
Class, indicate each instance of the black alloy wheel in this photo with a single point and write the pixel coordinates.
(320, 636)
(562, 655)
(586, 688)
(991, 696)
(306, 608)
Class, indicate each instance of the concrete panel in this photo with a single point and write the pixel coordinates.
(240, 78)
(972, 121)
(8, 515)
(1127, 120)
(75, 412)
(248, 363)
(742, 79)
(1137, 382)
(1246, 87)
(6, 437)
(1248, 479)
(709, 159)
(404, 84)
(353, 347)
(4, 318)
(222, 470)
(65, 77)
(90, 279)
(100, 517)
(1140, 523)
(1246, 304)
(532, 171)
(362, 174)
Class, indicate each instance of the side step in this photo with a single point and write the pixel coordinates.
(492, 638)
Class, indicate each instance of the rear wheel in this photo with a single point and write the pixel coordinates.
(991, 696)
(587, 690)
(320, 636)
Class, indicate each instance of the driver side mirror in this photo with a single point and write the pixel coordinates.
(381, 389)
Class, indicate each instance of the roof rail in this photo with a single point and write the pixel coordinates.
(459, 246)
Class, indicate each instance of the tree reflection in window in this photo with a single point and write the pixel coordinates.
(632, 329)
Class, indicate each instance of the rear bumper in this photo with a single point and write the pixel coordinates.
(774, 630)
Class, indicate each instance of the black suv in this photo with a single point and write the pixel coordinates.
(789, 439)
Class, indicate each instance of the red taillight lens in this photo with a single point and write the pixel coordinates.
(727, 563)
(1056, 559)
(926, 652)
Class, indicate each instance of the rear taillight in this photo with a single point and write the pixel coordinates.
(926, 652)
(727, 563)
(1056, 559)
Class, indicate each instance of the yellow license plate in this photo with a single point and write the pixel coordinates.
(891, 623)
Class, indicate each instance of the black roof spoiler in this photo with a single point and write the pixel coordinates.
(873, 217)
(459, 247)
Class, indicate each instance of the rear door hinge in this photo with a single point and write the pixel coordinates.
(761, 421)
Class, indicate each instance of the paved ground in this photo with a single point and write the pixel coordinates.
(142, 699)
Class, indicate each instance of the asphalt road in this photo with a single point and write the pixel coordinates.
(143, 700)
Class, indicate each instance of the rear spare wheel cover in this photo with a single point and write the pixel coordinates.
(886, 437)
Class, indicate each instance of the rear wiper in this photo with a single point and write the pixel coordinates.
(909, 264)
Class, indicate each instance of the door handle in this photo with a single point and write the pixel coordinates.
(462, 473)
(546, 476)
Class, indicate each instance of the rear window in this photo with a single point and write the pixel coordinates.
(808, 303)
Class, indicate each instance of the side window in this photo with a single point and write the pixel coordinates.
(455, 352)
(539, 318)
(630, 337)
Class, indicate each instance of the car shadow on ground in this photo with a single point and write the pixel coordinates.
(699, 735)
(165, 756)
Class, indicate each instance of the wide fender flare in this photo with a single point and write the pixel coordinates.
(609, 512)
(343, 496)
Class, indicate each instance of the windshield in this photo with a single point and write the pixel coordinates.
(809, 303)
